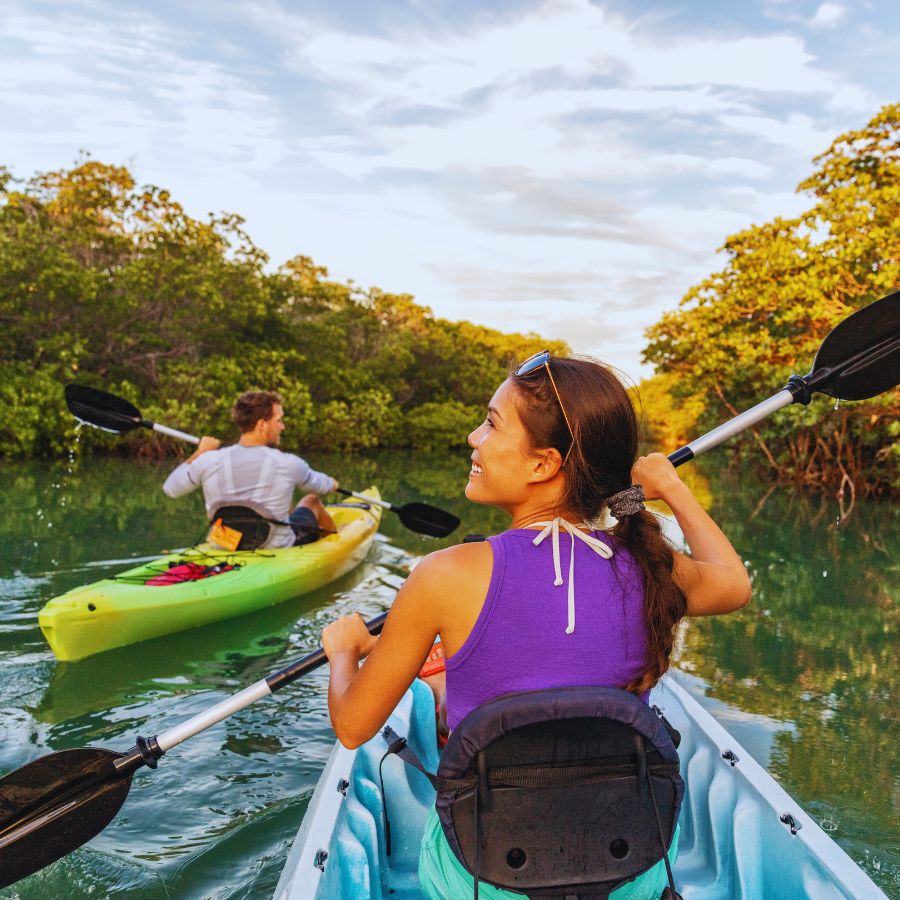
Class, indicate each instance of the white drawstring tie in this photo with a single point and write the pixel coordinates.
(552, 528)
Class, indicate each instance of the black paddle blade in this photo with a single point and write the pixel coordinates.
(52, 806)
(102, 410)
(860, 358)
(427, 519)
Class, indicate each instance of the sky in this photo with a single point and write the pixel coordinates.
(563, 167)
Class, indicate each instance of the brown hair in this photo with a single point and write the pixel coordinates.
(252, 406)
(605, 429)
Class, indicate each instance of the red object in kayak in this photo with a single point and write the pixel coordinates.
(187, 572)
(435, 662)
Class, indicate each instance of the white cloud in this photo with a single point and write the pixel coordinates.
(829, 15)
(522, 91)
(125, 83)
(797, 134)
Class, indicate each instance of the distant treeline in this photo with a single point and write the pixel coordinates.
(116, 286)
(740, 334)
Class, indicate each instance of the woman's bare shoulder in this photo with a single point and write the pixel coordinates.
(451, 585)
(454, 564)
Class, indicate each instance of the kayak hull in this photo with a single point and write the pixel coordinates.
(123, 610)
(733, 843)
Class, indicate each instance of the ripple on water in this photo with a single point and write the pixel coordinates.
(17, 588)
(91, 873)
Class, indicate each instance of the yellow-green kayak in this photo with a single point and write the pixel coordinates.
(125, 609)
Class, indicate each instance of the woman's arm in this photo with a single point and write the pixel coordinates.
(443, 595)
(714, 578)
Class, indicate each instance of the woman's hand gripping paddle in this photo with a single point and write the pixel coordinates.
(52, 806)
(115, 414)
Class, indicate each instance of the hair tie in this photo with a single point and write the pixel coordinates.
(627, 502)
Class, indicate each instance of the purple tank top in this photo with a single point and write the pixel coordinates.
(519, 641)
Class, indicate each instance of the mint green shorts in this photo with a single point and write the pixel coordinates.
(443, 877)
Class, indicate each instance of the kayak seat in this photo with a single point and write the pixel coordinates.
(562, 793)
(249, 521)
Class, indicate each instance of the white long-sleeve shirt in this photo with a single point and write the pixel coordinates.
(261, 474)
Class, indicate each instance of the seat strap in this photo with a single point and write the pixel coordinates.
(398, 746)
(659, 831)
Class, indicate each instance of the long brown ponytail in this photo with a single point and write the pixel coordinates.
(605, 430)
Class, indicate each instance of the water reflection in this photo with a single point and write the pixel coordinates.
(813, 658)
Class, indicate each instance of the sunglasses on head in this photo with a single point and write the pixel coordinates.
(535, 364)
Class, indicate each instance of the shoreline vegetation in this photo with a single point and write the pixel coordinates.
(114, 285)
(742, 332)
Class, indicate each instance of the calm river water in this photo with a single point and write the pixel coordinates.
(806, 677)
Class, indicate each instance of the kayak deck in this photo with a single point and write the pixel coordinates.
(123, 610)
(733, 845)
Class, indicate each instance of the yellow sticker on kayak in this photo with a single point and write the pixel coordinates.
(227, 538)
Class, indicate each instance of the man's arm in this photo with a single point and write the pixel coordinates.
(182, 480)
(308, 479)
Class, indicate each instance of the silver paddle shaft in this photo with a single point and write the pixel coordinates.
(382, 503)
(175, 433)
(174, 736)
(734, 426)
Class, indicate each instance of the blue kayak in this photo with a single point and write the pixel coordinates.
(742, 836)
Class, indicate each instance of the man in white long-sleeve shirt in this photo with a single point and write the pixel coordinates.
(253, 470)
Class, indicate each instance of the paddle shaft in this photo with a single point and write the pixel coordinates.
(249, 695)
(172, 432)
(382, 503)
(732, 427)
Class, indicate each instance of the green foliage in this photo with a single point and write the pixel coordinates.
(27, 419)
(439, 426)
(744, 330)
(366, 420)
(668, 420)
(116, 286)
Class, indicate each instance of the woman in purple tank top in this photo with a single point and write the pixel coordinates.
(563, 597)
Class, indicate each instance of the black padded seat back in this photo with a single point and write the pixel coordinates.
(249, 518)
(564, 805)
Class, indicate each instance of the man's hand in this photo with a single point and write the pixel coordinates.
(335, 484)
(206, 443)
